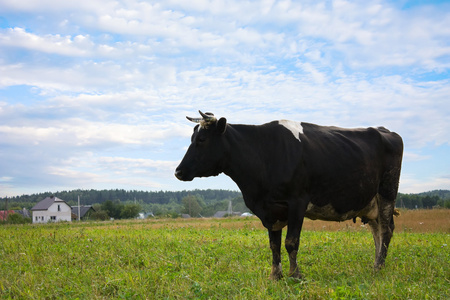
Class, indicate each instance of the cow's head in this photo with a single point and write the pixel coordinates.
(206, 154)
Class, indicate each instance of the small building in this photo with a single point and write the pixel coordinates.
(144, 215)
(226, 213)
(24, 212)
(220, 214)
(85, 212)
(247, 214)
(51, 209)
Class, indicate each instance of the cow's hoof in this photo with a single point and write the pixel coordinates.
(296, 274)
(276, 273)
(378, 267)
(275, 276)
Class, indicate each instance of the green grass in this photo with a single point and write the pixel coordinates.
(218, 260)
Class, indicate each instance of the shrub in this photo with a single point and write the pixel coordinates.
(17, 219)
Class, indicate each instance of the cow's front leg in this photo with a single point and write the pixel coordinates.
(275, 246)
(292, 249)
(292, 243)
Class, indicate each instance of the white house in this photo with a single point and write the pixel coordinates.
(51, 209)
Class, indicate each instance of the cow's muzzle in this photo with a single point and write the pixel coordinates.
(178, 174)
(181, 175)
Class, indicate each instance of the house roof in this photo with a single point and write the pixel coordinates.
(47, 202)
(24, 212)
(220, 214)
(83, 210)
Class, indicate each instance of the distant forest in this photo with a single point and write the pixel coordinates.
(427, 200)
(197, 202)
(163, 203)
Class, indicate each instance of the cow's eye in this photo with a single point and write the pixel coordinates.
(201, 139)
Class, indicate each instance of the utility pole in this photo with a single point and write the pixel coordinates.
(190, 200)
(79, 208)
(6, 209)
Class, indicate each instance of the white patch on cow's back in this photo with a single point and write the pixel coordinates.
(295, 127)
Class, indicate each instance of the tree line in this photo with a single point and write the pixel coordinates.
(90, 197)
(427, 200)
(119, 203)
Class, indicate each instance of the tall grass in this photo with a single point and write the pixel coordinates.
(212, 259)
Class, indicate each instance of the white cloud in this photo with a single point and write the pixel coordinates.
(363, 35)
(124, 164)
(56, 7)
(113, 78)
(56, 44)
(90, 170)
(411, 156)
(5, 179)
(72, 46)
(82, 133)
(409, 184)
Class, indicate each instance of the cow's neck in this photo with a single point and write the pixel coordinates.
(244, 156)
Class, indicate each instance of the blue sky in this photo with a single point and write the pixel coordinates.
(94, 94)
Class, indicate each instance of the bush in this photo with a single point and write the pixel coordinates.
(130, 211)
(17, 219)
(100, 215)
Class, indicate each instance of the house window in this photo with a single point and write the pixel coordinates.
(53, 218)
(59, 207)
(37, 218)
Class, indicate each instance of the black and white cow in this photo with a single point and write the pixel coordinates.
(290, 170)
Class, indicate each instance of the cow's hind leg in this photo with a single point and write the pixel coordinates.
(382, 230)
(275, 246)
(296, 215)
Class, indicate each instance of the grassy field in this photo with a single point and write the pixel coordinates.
(221, 259)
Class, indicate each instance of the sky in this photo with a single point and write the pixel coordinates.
(94, 94)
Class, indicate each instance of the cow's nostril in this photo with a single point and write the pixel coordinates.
(178, 174)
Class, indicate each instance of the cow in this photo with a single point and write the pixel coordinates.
(290, 170)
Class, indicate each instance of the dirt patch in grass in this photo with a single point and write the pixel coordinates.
(434, 220)
(421, 221)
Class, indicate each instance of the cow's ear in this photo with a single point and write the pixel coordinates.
(221, 125)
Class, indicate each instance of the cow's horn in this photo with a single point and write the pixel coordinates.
(207, 116)
(195, 120)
